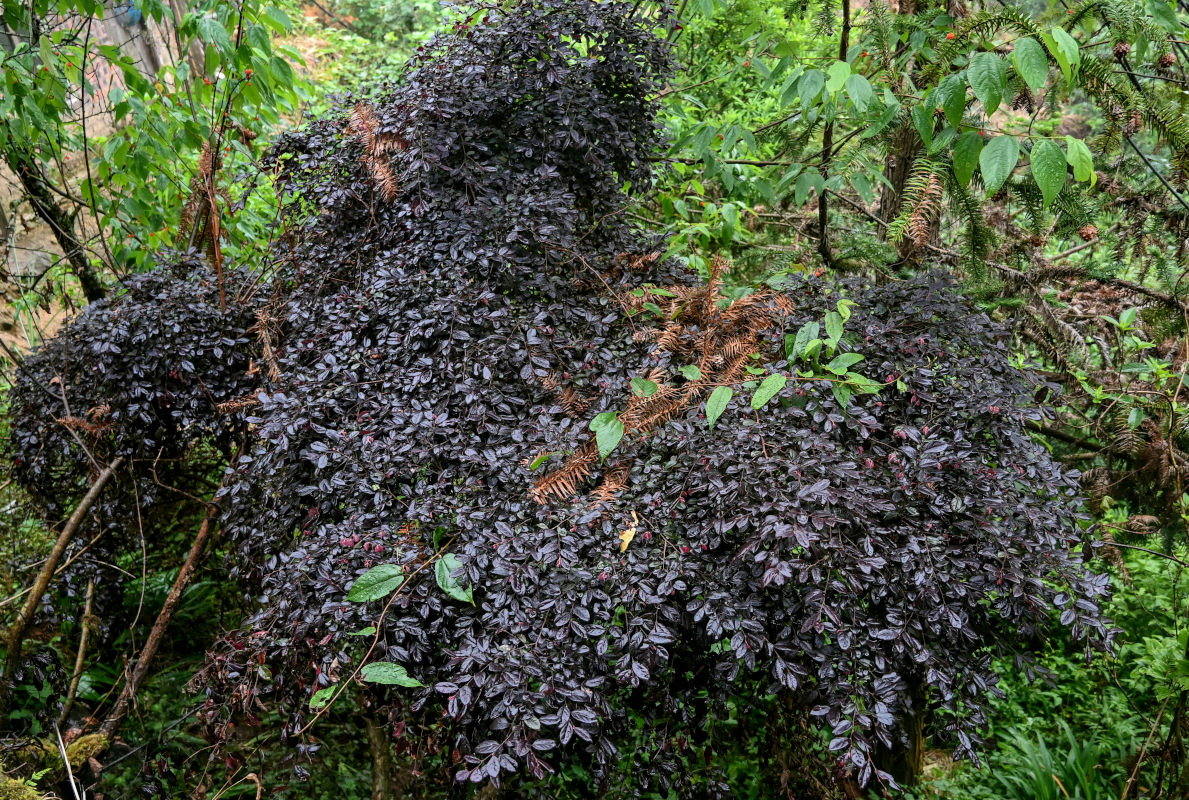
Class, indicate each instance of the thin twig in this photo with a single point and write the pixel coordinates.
(16, 634)
(81, 658)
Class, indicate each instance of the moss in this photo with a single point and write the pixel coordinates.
(82, 748)
(11, 789)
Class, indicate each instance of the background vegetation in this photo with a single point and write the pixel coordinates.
(1036, 153)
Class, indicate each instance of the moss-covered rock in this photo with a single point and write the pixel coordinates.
(12, 789)
(84, 747)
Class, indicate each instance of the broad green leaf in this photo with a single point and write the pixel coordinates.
(859, 90)
(211, 31)
(808, 332)
(642, 387)
(370, 630)
(810, 179)
(717, 403)
(810, 87)
(811, 350)
(997, 160)
(844, 306)
(767, 390)
(1048, 168)
(833, 328)
(841, 363)
(606, 418)
(388, 673)
(922, 120)
(1031, 62)
(608, 434)
(276, 19)
(321, 697)
(839, 72)
(1065, 50)
(448, 584)
(1080, 158)
(378, 582)
(988, 78)
(842, 394)
(788, 91)
(691, 372)
(951, 95)
(966, 153)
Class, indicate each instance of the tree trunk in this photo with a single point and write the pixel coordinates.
(906, 763)
(61, 222)
(383, 787)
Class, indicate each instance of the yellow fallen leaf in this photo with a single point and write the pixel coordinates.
(625, 538)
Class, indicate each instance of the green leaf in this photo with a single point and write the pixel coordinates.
(211, 31)
(768, 389)
(841, 363)
(608, 431)
(388, 673)
(1031, 62)
(276, 19)
(606, 418)
(811, 350)
(370, 630)
(1065, 50)
(808, 332)
(691, 372)
(539, 460)
(448, 584)
(1080, 158)
(377, 583)
(997, 161)
(655, 309)
(717, 403)
(810, 87)
(642, 387)
(859, 90)
(966, 152)
(951, 94)
(321, 698)
(839, 72)
(1048, 168)
(988, 78)
(922, 120)
(842, 393)
(844, 306)
(833, 328)
(810, 179)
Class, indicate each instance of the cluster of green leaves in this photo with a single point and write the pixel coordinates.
(140, 141)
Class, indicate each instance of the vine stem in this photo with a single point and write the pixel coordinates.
(161, 624)
(376, 636)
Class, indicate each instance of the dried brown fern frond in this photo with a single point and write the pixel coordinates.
(637, 262)
(614, 482)
(238, 404)
(574, 403)
(264, 328)
(565, 481)
(98, 412)
(85, 425)
(364, 127)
